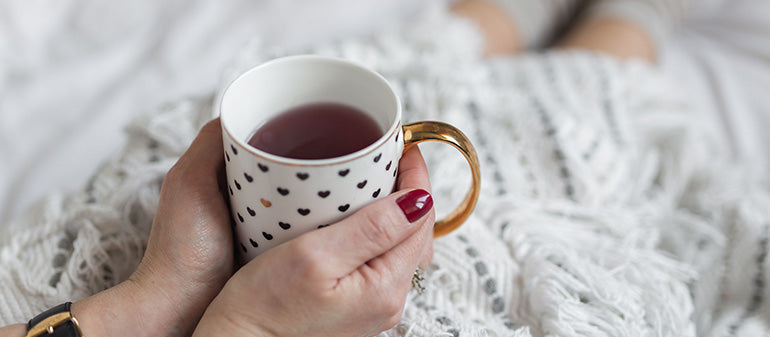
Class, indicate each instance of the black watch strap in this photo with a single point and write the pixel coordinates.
(67, 327)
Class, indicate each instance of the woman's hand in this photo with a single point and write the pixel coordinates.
(349, 279)
(189, 255)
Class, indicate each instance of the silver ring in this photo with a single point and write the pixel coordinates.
(417, 278)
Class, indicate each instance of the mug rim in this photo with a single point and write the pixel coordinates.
(312, 162)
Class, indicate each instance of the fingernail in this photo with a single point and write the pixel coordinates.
(415, 204)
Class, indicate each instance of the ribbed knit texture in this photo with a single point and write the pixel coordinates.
(607, 207)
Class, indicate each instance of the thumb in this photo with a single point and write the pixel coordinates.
(373, 230)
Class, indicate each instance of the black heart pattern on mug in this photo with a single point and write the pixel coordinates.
(235, 151)
(297, 194)
(244, 248)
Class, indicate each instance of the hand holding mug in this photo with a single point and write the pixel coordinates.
(348, 279)
(296, 155)
(190, 257)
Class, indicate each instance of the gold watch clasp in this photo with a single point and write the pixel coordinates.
(47, 325)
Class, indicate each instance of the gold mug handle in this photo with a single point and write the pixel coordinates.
(418, 132)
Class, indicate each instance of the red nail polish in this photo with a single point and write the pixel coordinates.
(415, 204)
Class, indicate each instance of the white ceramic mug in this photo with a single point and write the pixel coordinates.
(274, 199)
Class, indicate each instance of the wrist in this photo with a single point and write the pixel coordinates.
(130, 309)
(222, 320)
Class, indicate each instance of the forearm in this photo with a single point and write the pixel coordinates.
(132, 309)
(123, 310)
(127, 309)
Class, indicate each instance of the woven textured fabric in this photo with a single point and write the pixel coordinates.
(608, 206)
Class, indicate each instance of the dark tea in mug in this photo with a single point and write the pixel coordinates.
(316, 131)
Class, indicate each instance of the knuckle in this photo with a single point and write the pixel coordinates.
(391, 302)
(174, 177)
(393, 306)
(380, 229)
(211, 126)
(392, 321)
(307, 262)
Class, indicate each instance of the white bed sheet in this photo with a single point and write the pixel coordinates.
(74, 72)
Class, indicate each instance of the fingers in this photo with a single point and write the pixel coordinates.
(196, 175)
(372, 231)
(204, 156)
(400, 262)
(192, 203)
(427, 254)
(189, 252)
(380, 226)
(360, 268)
(389, 275)
(412, 172)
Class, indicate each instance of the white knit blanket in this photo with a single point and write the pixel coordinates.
(608, 206)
